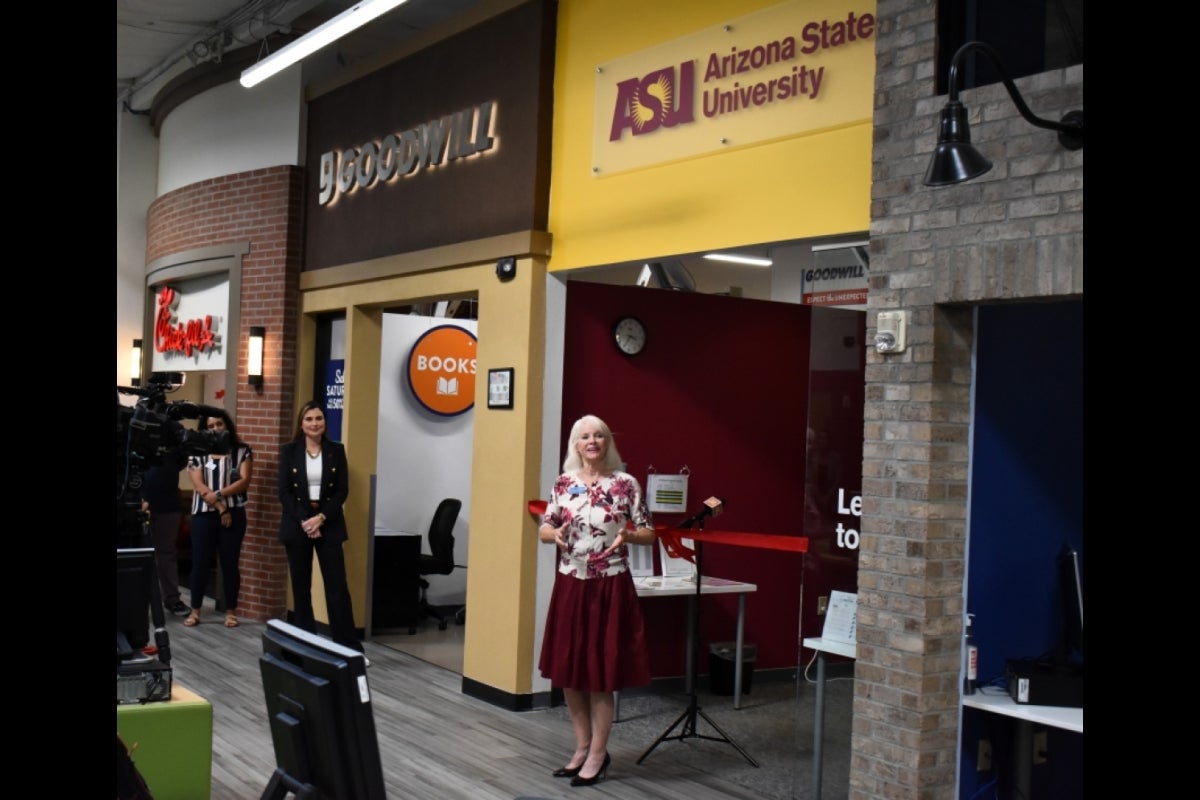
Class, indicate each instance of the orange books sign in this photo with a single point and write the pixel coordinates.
(441, 370)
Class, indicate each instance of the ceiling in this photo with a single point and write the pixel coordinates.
(157, 38)
(160, 39)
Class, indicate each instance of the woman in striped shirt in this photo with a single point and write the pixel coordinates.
(219, 516)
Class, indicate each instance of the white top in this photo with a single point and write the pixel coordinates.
(594, 514)
(314, 478)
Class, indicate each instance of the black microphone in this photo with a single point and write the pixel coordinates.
(713, 506)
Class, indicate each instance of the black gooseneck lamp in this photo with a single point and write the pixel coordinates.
(954, 159)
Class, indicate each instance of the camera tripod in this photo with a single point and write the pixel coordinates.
(688, 717)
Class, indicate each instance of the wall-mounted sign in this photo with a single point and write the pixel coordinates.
(667, 493)
(838, 276)
(454, 136)
(802, 66)
(335, 393)
(500, 387)
(441, 370)
(186, 329)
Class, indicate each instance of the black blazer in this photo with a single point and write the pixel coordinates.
(293, 491)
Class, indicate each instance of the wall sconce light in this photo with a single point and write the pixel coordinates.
(135, 363)
(954, 159)
(254, 356)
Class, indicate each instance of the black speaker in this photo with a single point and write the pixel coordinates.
(506, 268)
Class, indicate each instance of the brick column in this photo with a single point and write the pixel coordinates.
(265, 208)
(1013, 234)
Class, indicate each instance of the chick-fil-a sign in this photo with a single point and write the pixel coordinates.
(172, 335)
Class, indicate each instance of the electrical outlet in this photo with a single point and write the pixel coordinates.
(1039, 747)
(984, 762)
(822, 605)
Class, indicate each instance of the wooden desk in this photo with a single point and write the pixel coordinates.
(823, 646)
(658, 586)
(171, 742)
(998, 701)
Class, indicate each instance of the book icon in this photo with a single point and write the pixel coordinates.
(447, 386)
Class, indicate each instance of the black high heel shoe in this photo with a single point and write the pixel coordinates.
(579, 780)
(567, 772)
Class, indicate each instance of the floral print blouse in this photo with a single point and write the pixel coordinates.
(594, 515)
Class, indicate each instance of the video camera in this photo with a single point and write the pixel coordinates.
(150, 433)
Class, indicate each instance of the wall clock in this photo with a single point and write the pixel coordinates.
(630, 335)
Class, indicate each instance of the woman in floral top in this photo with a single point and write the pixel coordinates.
(595, 641)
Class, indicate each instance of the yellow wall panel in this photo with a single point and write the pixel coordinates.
(813, 182)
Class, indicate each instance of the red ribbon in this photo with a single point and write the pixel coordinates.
(671, 537)
(537, 508)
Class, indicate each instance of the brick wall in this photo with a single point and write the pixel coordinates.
(1014, 233)
(263, 207)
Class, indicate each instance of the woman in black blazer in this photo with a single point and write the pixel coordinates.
(314, 481)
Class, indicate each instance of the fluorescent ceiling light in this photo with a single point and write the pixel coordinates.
(733, 258)
(816, 248)
(354, 17)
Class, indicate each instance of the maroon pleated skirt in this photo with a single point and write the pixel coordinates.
(595, 639)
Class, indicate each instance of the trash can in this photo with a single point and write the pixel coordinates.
(722, 666)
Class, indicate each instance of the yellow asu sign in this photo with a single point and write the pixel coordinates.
(441, 370)
(799, 67)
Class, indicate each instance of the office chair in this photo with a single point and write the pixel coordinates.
(441, 562)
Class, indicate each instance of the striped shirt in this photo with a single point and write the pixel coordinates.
(217, 472)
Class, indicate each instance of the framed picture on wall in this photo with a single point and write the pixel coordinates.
(500, 383)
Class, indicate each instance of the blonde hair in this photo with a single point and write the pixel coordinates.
(573, 461)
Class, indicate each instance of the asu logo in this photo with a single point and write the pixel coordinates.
(660, 99)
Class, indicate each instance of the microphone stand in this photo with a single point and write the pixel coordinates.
(693, 710)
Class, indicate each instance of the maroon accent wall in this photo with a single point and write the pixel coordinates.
(508, 60)
(722, 387)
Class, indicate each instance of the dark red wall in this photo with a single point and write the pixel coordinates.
(721, 387)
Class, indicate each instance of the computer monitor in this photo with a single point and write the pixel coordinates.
(322, 723)
(136, 584)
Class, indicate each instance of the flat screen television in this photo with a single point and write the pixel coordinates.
(137, 582)
(321, 718)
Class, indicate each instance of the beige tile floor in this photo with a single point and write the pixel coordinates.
(441, 648)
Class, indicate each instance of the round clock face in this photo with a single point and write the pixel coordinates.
(630, 335)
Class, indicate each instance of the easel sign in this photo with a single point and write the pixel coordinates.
(677, 567)
(667, 493)
(841, 618)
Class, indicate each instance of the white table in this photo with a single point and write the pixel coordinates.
(823, 646)
(658, 586)
(998, 701)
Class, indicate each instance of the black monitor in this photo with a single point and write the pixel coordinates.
(322, 723)
(1070, 583)
(137, 581)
